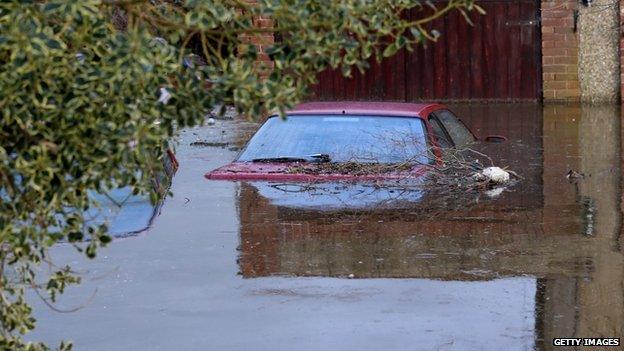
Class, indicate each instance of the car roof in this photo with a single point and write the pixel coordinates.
(402, 109)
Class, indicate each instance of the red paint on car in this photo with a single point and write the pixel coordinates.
(390, 109)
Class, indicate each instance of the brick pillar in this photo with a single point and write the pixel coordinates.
(560, 45)
(264, 40)
(261, 41)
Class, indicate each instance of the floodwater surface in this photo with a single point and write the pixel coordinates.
(270, 266)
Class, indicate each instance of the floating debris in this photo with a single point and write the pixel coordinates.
(493, 174)
(351, 168)
(573, 175)
(209, 143)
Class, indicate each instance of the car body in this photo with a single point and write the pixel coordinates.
(126, 213)
(368, 133)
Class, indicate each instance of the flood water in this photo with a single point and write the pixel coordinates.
(264, 266)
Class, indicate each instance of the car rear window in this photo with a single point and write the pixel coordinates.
(345, 138)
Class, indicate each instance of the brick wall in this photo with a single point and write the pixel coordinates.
(559, 51)
(262, 41)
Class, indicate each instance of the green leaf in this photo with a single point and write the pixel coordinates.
(105, 239)
(54, 44)
(390, 50)
(75, 236)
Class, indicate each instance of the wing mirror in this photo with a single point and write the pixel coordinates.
(497, 139)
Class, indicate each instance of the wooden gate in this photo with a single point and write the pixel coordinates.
(498, 58)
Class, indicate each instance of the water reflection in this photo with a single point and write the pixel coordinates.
(565, 234)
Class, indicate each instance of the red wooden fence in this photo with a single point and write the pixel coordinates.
(498, 58)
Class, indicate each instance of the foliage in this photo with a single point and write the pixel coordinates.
(92, 89)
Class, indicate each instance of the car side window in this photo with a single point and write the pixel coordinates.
(458, 132)
(439, 133)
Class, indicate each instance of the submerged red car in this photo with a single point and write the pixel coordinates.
(319, 141)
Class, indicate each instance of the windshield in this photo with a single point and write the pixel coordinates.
(344, 138)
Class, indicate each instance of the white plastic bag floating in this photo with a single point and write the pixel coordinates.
(496, 174)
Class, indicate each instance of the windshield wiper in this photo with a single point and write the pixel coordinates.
(286, 159)
(321, 157)
(280, 159)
